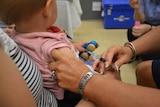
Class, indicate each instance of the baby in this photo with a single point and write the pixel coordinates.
(35, 35)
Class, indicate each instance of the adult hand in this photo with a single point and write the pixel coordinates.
(135, 4)
(68, 71)
(140, 30)
(115, 56)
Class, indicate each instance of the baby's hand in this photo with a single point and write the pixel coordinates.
(9, 28)
(79, 46)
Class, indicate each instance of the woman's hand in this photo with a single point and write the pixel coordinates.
(68, 71)
(135, 4)
(115, 56)
(138, 31)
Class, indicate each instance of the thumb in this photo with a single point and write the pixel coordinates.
(53, 66)
(56, 55)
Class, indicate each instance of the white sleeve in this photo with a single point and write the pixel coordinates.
(6, 42)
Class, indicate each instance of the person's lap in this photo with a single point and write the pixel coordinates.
(70, 99)
(156, 72)
(145, 73)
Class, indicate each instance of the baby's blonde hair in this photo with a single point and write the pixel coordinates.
(12, 11)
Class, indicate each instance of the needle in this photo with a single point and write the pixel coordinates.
(96, 56)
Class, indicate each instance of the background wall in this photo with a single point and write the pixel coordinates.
(92, 9)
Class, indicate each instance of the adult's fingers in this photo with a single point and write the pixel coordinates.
(99, 66)
(59, 60)
(111, 54)
(136, 31)
(108, 60)
(122, 58)
(53, 66)
(137, 34)
(57, 55)
(134, 3)
(69, 72)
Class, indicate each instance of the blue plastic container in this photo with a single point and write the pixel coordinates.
(117, 14)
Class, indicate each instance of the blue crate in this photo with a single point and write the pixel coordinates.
(117, 14)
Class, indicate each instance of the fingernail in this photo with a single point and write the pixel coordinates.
(101, 72)
(117, 68)
(106, 64)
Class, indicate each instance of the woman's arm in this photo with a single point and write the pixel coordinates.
(103, 91)
(149, 42)
(138, 14)
(107, 92)
(13, 89)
